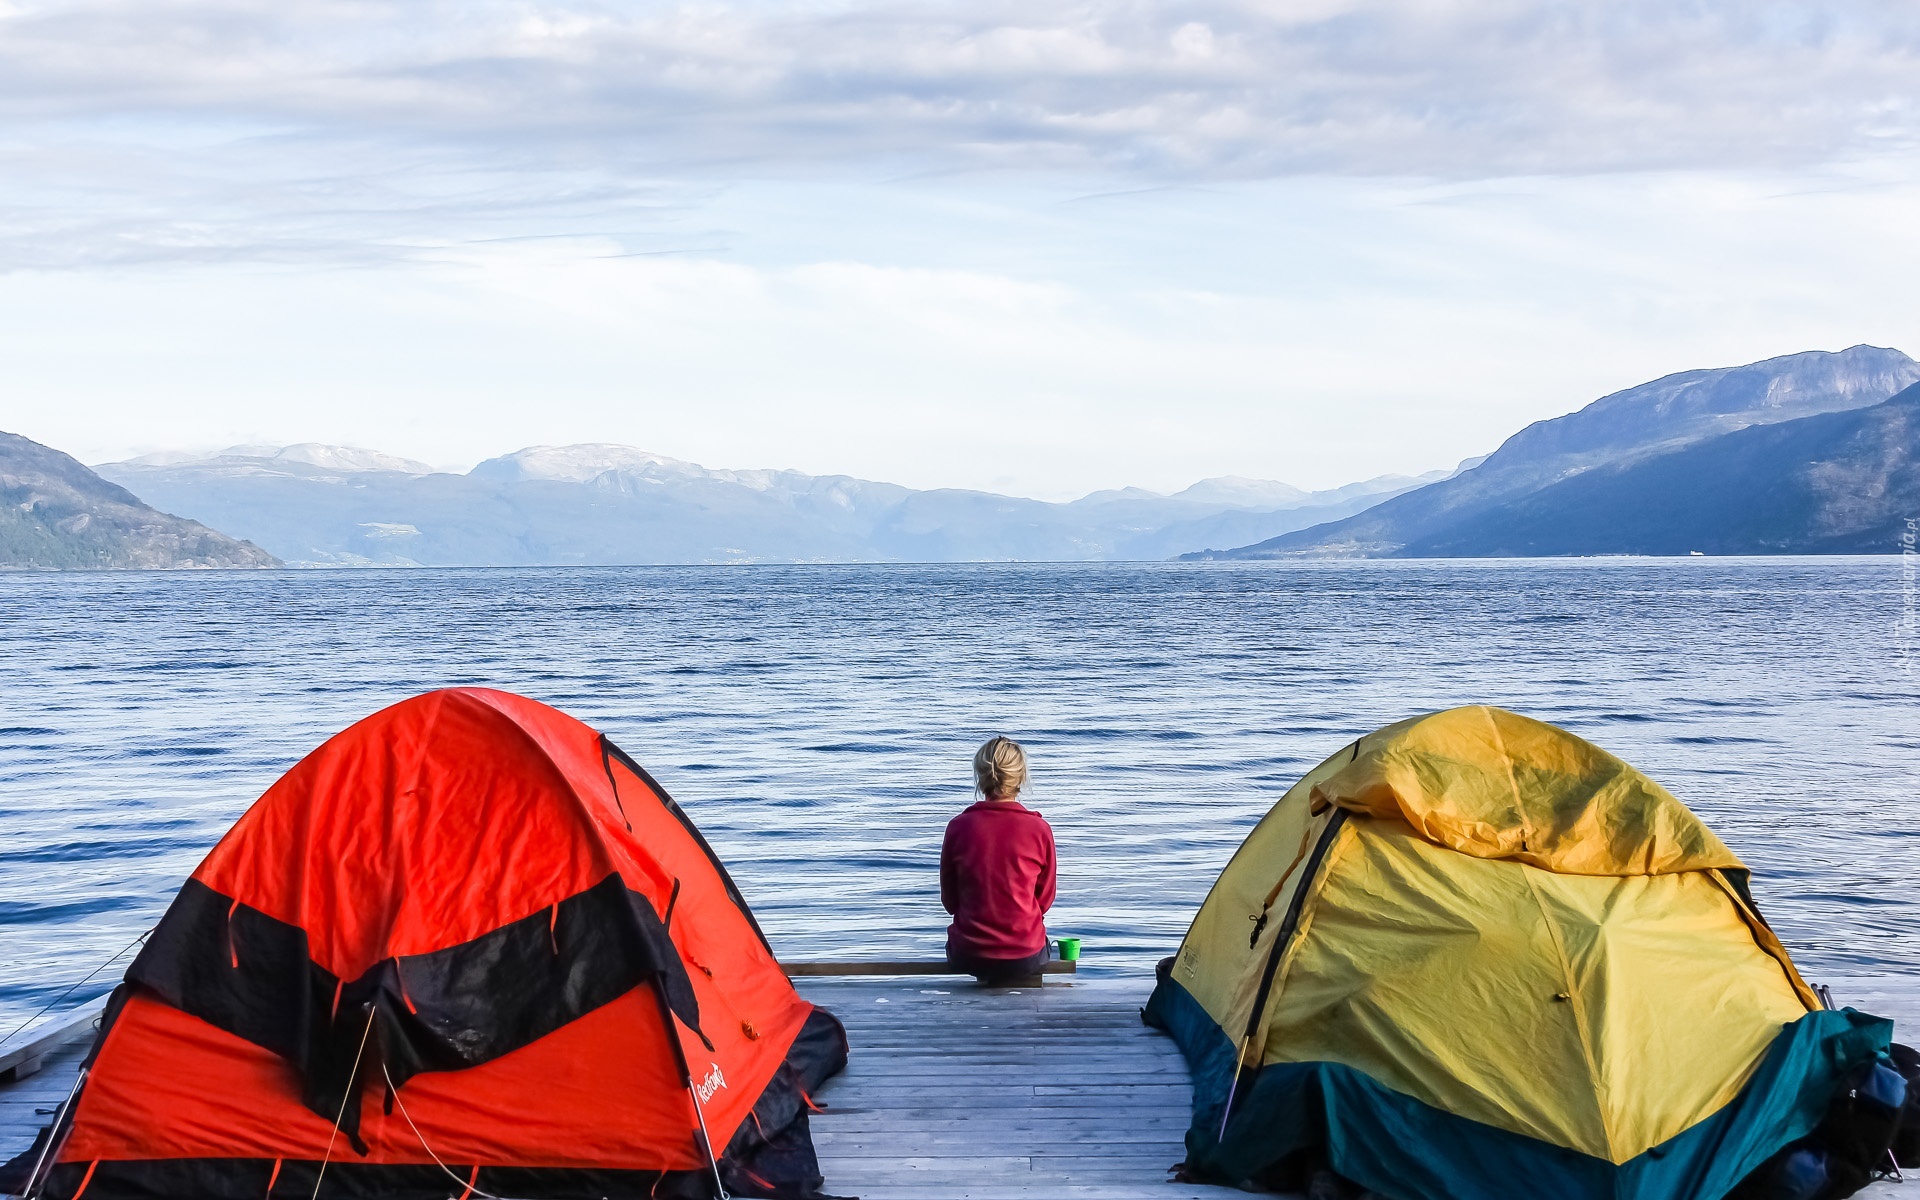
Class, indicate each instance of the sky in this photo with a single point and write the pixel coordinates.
(1034, 248)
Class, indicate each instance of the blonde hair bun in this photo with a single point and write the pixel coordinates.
(1000, 767)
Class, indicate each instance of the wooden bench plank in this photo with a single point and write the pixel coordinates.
(920, 967)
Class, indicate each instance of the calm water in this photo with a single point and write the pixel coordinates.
(817, 721)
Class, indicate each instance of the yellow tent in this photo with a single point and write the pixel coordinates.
(1472, 955)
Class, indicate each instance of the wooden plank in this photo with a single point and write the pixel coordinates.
(27, 1106)
(895, 1026)
(923, 1110)
(908, 1188)
(1060, 1068)
(1010, 1167)
(921, 967)
(1037, 1151)
(865, 1143)
(853, 1117)
(1036, 1188)
(969, 1092)
(982, 1097)
(26, 1056)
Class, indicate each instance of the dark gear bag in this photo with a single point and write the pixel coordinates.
(1850, 1148)
(1906, 1139)
(1859, 1129)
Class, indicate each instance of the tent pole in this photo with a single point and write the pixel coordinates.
(706, 1143)
(686, 1080)
(1226, 1114)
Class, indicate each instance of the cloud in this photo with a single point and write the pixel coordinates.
(140, 129)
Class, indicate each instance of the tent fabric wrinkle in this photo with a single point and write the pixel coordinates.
(1494, 784)
(470, 929)
(1510, 965)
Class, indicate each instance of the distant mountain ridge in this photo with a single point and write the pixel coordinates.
(318, 457)
(55, 514)
(1834, 483)
(587, 461)
(606, 503)
(1640, 424)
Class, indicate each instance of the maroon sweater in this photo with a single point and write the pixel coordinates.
(996, 878)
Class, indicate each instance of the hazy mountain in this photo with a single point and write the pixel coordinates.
(1641, 423)
(1227, 511)
(55, 514)
(1237, 491)
(1838, 483)
(583, 463)
(603, 503)
(305, 458)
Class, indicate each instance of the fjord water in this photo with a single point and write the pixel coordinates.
(817, 720)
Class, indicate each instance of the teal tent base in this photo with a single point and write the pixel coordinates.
(1403, 1148)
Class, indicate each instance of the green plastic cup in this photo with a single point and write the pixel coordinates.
(1069, 949)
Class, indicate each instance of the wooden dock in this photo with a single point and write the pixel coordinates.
(27, 1104)
(961, 1092)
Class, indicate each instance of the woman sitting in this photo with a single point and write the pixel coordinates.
(997, 873)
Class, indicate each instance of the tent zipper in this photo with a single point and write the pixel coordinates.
(1288, 925)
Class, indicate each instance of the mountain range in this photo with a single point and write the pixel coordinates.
(1805, 453)
(1838, 483)
(1745, 459)
(55, 514)
(611, 504)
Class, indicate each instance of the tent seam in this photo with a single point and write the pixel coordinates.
(1774, 948)
(1575, 1000)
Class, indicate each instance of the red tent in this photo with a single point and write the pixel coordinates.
(467, 937)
